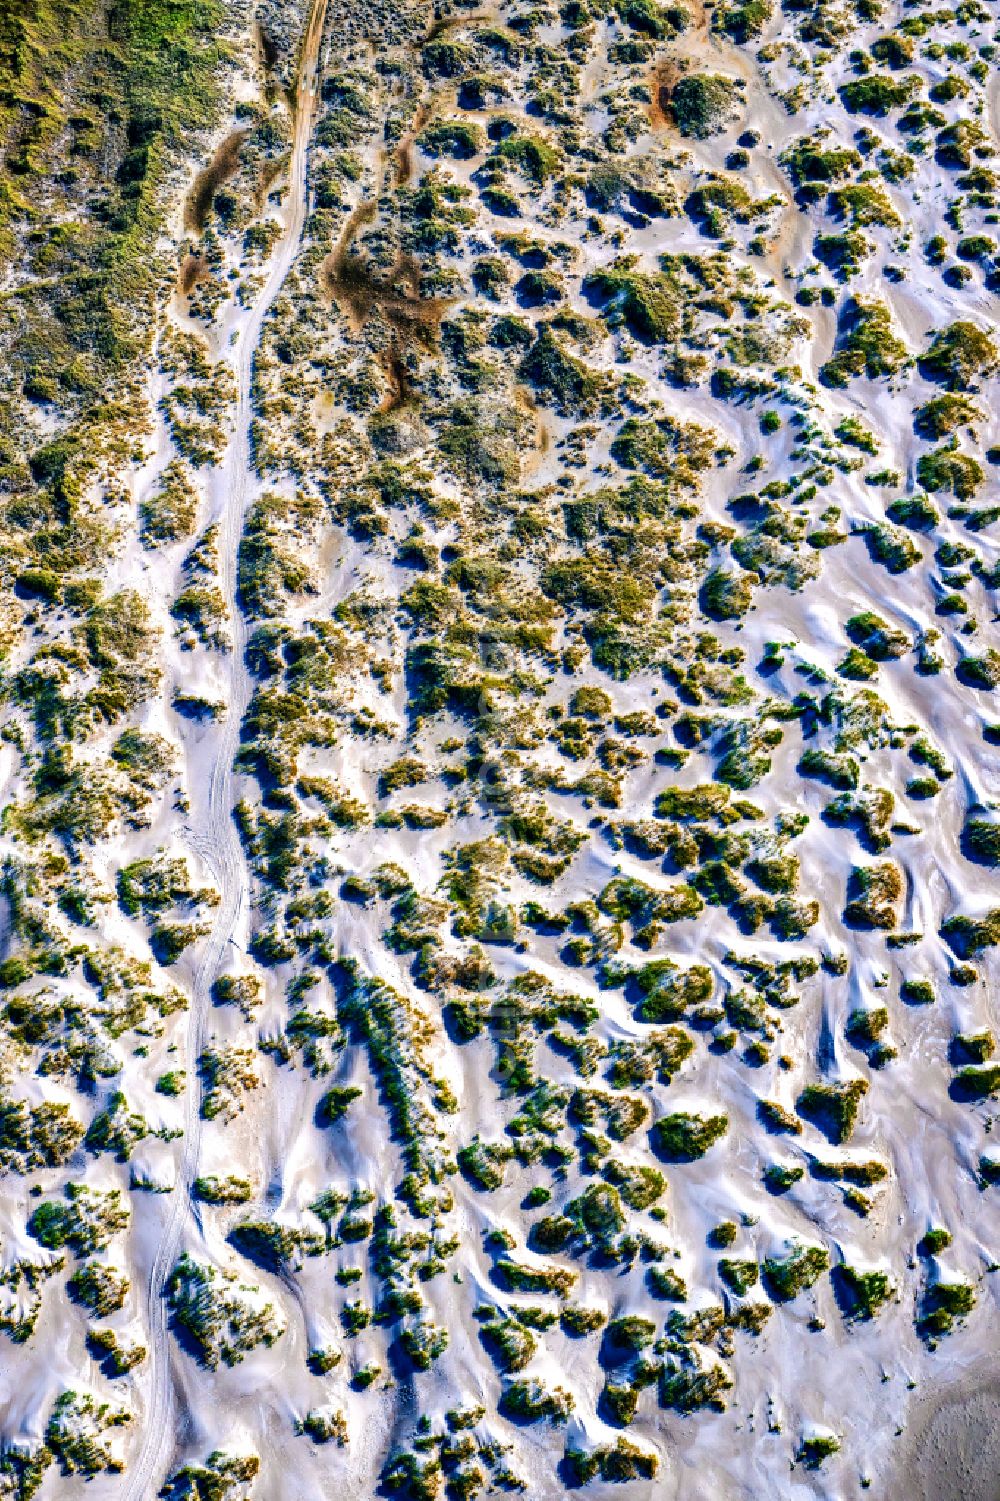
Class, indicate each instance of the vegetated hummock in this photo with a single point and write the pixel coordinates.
(501, 744)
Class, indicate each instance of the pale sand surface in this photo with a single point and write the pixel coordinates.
(954, 1450)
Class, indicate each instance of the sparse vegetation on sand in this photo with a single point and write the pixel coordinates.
(499, 580)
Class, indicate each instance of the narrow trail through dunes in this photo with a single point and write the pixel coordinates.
(213, 834)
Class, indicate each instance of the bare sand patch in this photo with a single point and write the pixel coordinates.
(954, 1450)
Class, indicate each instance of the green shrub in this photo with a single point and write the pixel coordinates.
(230, 1190)
(943, 415)
(424, 1343)
(976, 1047)
(203, 608)
(815, 1449)
(866, 1025)
(980, 672)
(876, 93)
(866, 344)
(777, 1119)
(668, 991)
(667, 449)
(629, 1334)
(116, 1129)
(559, 378)
(738, 1275)
(743, 22)
(516, 1277)
(866, 1291)
(787, 1276)
(100, 1289)
(620, 1401)
(958, 143)
(705, 104)
(914, 511)
(336, 1102)
(529, 1401)
(779, 1178)
(959, 355)
(864, 204)
(970, 935)
(981, 838)
(85, 1220)
(879, 640)
(577, 1321)
(838, 771)
(618, 1463)
(648, 305)
(665, 1283)
(833, 1107)
(170, 511)
(891, 547)
(943, 1303)
(813, 165)
(509, 1345)
(707, 800)
(652, 19)
(75, 1434)
(683, 1137)
(977, 1083)
(717, 204)
(458, 138)
(947, 469)
(874, 893)
(536, 158)
(726, 594)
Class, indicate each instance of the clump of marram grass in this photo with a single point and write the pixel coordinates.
(874, 894)
(943, 1304)
(968, 936)
(619, 1463)
(976, 1081)
(866, 344)
(865, 1293)
(528, 1401)
(83, 1221)
(684, 1137)
(815, 1448)
(738, 1275)
(744, 20)
(959, 355)
(98, 1287)
(833, 1107)
(77, 1434)
(787, 1276)
(706, 104)
(228, 1190)
(170, 511)
(215, 1476)
(981, 837)
(223, 1317)
(646, 303)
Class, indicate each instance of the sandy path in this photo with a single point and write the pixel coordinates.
(214, 835)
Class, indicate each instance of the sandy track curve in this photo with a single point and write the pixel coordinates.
(217, 839)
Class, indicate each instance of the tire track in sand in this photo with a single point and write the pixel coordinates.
(217, 839)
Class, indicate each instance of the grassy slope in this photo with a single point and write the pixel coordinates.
(95, 101)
